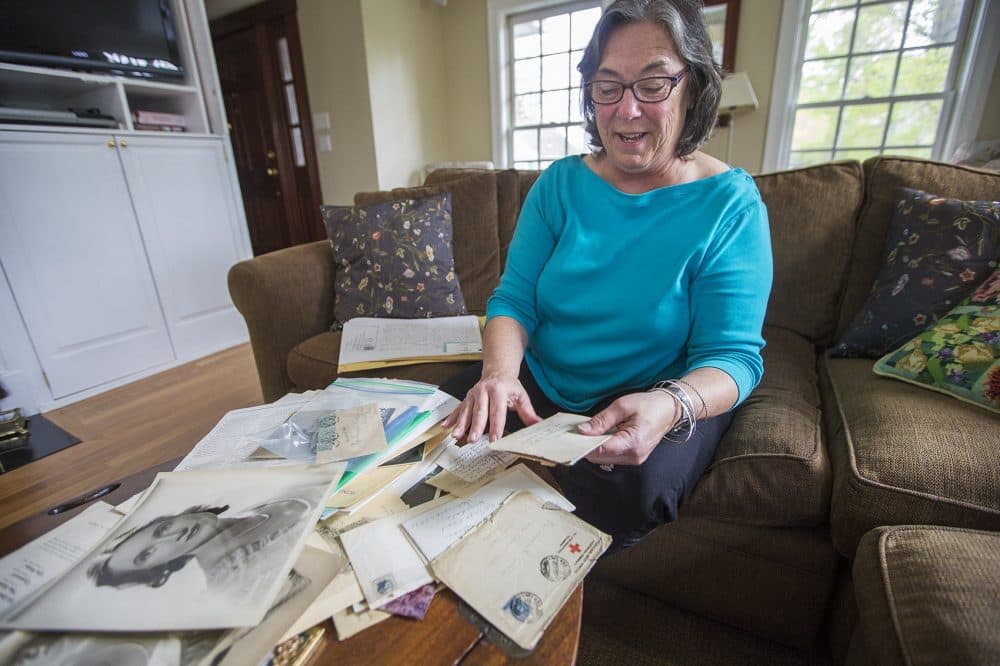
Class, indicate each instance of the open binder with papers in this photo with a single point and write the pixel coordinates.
(368, 343)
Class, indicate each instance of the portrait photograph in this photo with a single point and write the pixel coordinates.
(201, 550)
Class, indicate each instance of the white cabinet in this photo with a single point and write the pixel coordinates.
(74, 259)
(116, 250)
(186, 211)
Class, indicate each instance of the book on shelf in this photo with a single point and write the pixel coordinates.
(158, 128)
(159, 118)
(368, 343)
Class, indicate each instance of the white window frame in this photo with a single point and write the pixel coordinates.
(497, 13)
(963, 113)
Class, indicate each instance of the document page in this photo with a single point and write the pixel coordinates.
(554, 439)
(28, 568)
(435, 530)
(366, 339)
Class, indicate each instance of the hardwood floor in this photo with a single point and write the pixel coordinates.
(131, 428)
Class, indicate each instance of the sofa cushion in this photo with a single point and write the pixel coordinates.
(312, 364)
(474, 228)
(773, 450)
(812, 212)
(772, 581)
(902, 455)
(394, 259)
(937, 250)
(928, 595)
(960, 355)
(883, 176)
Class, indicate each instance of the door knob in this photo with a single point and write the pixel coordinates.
(271, 171)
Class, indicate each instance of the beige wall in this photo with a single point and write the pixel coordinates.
(406, 81)
(467, 65)
(333, 49)
(756, 46)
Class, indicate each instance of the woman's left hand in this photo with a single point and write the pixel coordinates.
(642, 419)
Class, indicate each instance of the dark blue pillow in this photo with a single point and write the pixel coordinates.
(936, 252)
(394, 260)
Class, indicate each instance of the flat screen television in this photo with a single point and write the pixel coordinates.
(131, 37)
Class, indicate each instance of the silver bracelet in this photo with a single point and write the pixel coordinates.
(704, 405)
(686, 426)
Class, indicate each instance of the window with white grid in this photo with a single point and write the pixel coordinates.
(875, 77)
(544, 121)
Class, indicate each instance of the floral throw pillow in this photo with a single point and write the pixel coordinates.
(394, 260)
(936, 251)
(960, 355)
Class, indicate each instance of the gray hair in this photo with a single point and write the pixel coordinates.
(683, 22)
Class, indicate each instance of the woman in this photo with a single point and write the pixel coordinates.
(636, 281)
(223, 547)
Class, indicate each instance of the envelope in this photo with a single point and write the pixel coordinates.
(535, 555)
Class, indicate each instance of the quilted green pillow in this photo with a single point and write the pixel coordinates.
(960, 354)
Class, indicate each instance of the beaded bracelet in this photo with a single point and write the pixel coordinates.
(687, 424)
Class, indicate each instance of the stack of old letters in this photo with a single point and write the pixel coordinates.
(349, 503)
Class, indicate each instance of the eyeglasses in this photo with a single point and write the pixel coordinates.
(649, 89)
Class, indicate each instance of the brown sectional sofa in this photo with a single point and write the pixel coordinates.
(820, 457)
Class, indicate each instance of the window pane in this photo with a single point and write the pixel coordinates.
(822, 80)
(715, 22)
(583, 23)
(297, 151)
(527, 166)
(922, 153)
(862, 126)
(859, 155)
(574, 61)
(293, 107)
(871, 76)
(555, 71)
(527, 75)
(923, 71)
(552, 142)
(555, 33)
(914, 123)
(284, 62)
(527, 109)
(527, 42)
(576, 140)
(880, 27)
(575, 112)
(814, 128)
(545, 164)
(933, 22)
(829, 4)
(525, 145)
(555, 106)
(829, 33)
(800, 159)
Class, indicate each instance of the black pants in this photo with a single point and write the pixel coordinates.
(630, 500)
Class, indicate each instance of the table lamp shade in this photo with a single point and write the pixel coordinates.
(737, 93)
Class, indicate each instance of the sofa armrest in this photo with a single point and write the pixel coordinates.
(285, 297)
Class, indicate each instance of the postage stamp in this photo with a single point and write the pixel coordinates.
(524, 607)
(554, 568)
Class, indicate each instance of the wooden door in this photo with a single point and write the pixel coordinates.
(259, 58)
(75, 260)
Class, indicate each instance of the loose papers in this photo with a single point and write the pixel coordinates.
(433, 531)
(226, 541)
(553, 440)
(49, 556)
(367, 343)
(535, 554)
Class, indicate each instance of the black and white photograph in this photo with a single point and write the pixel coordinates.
(202, 550)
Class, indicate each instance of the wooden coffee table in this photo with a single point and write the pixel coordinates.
(442, 637)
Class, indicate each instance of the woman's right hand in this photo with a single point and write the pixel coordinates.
(488, 402)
